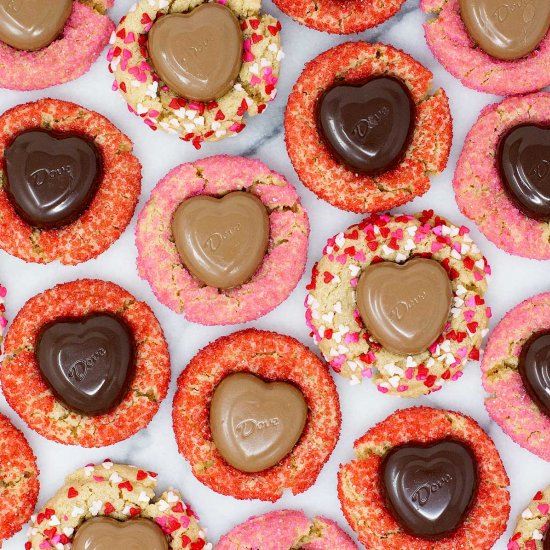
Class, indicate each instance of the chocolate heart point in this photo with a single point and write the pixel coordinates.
(534, 369)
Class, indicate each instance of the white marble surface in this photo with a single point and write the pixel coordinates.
(154, 448)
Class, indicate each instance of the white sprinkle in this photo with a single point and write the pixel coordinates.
(354, 269)
(115, 478)
(77, 512)
(163, 505)
(172, 497)
(338, 307)
(394, 381)
(527, 514)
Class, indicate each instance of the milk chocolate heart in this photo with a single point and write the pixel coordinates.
(88, 362)
(51, 178)
(534, 369)
(31, 25)
(256, 424)
(198, 54)
(369, 127)
(103, 533)
(430, 489)
(405, 307)
(506, 29)
(222, 242)
(524, 163)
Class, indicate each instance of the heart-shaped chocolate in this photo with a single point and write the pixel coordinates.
(369, 127)
(256, 424)
(51, 178)
(103, 533)
(506, 29)
(223, 241)
(430, 489)
(524, 163)
(534, 369)
(405, 307)
(31, 25)
(88, 362)
(198, 54)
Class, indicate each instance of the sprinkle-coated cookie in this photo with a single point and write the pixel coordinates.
(112, 207)
(29, 395)
(509, 404)
(18, 480)
(3, 320)
(286, 529)
(284, 263)
(120, 492)
(360, 493)
(339, 17)
(453, 47)
(427, 152)
(478, 185)
(273, 357)
(336, 324)
(85, 34)
(160, 108)
(533, 523)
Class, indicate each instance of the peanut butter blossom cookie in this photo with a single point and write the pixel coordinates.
(222, 240)
(195, 68)
(502, 176)
(516, 373)
(425, 478)
(399, 300)
(492, 46)
(108, 506)
(533, 529)
(86, 364)
(256, 413)
(18, 480)
(363, 131)
(69, 182)
(50, 42)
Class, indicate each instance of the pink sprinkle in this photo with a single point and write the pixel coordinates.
(436, 247)
(247, 44)
(234, 127)
(437, 230)
(3, 291)
(114, 87)
(409, 373)
(337, 362)
(462, 352)
(153, 113)
(351, 338)
(398, 234)
(254, 80)
(185, 521)
(471, 301)
(367, 373)
(457, 247)
(360, 256)
(130, 37)
(382, 389)
(248, 57)
(45, 544)
(489, 312)
(463, 231)
(543, 508)
(402, 388)
(478, 276)
(456, 376)
(341, 259)
(354, 282)
(469, 314)
(488, 269)
(3, 322)
(98, 479)
(513, 545)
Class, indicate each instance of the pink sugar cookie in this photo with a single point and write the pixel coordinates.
(533, 524)
(286, 529)
(478, 187)
(86, 33)
(509, 404)
(452, 46)
(160, 264)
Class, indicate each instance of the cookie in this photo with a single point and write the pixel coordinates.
(533, 524)
(509, 404)
(272, 358)
(3, 320)
(361, 492)
(337, 17)
(123, 493)
(32, 397)
(338, 328)
(286, 529)
(104, 213)
(452, 45)
(192, 116)
(283, 264)
(18, 480)
(425, 150)
(82, 38)
(479, 185)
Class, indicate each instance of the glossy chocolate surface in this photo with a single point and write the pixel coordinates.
(534, 369)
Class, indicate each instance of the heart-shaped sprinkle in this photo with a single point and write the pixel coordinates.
(369, 127)
(31, 25)
(198, 54)
(223, 241)
(506, 29)
(256, 424)
(103, 533)
(88, 362)
(430, 489)
(524, 163)
(534, 369)
(51, 178)
(405, 307)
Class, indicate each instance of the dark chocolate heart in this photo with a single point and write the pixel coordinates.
(88, 362)
(51, 177)
(534, 369)
(368, 127)
(524, 163)
(430, 489)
